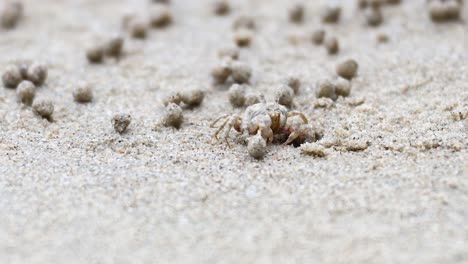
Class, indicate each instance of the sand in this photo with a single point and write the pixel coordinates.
(392, 188)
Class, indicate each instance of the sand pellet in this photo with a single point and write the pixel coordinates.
(10, 13)
(95, 53)
(294, 83)
(314, 149)
(221, 7)
(342, 87)
(120, 122)
(446, 10)
(113, 47)
(138, 29)
(332, 45)
(12, 76)
(37, 73)
(174, 98)
(221, 73)
(326, 89)
(252, 98)
(284, 95)
(382, 38)
(25, 92)
(193, 97)
(44, 108)
(173, 116)
(241, 72)
(243, 21)
(83, 93)
(331, 14)
(257, 146)
(229, 52)
(243, 37)
(23, 68)
(296, 13)
(373, 16)
(347, 69)
(318, 36)
(237, 95)
(160, 16)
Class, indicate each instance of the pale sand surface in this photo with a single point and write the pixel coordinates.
(74, 191)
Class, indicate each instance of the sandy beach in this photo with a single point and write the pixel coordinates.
(75, 191)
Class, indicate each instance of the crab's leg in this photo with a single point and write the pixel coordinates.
(291, 114)
(221, 128)
(227, 132)
(295, 134)
(217, 120)
(227, 142)
(267, 132)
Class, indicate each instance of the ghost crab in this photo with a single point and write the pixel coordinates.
(270, 120)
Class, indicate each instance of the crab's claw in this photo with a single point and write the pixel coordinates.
(303, 133)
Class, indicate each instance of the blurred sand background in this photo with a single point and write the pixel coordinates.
(74, 191)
